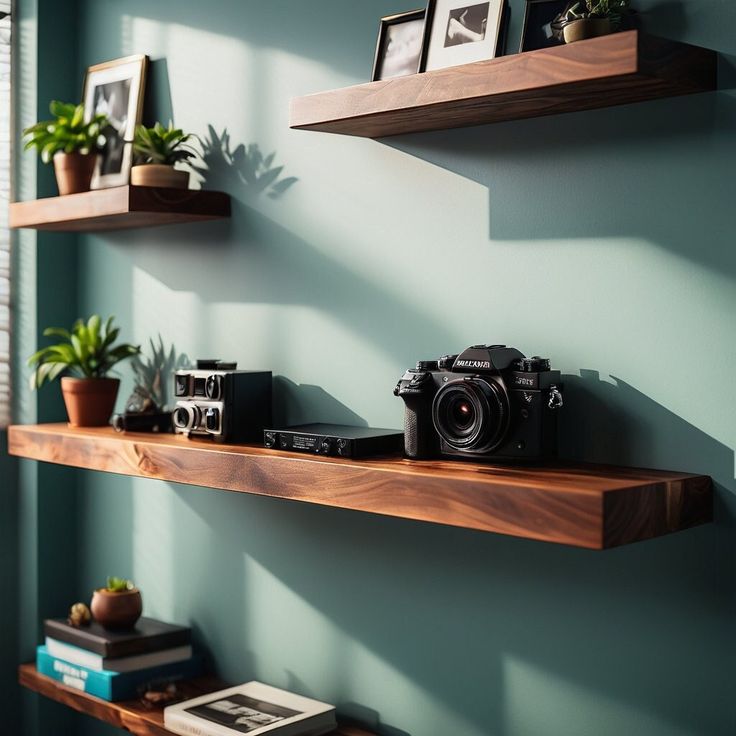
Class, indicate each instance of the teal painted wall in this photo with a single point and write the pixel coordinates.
(603, 239)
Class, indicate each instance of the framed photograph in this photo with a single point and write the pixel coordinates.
(116, 88)
(400, 44)
(461, 32)
(537, 30)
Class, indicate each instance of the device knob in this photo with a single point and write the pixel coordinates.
(446, 362)
(212, 419)
(324, 447)
(535, 364)
(427, 365)
(213, 387)
(269, 439)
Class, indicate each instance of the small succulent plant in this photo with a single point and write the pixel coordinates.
(160, 145)
(119, 585)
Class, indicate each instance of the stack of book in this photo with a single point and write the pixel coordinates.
(116, 665)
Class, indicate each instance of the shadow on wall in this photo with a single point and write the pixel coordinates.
(303, 404)
(532, 613)
(243, 171)
(647, 190)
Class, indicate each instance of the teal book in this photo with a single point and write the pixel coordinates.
(112, 685)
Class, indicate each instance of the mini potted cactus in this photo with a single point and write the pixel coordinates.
(583, 19)
(71, 142)
(118, 605)
(87, 353)
(157, 151)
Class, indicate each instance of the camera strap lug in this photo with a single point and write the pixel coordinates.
(555, 398)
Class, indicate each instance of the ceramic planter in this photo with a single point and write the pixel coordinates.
(116, 610)
(584, 28)
(89, 401)
(158, 175)
(74, 171)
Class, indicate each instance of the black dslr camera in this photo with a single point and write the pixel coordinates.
(488, 403)
(216, 400)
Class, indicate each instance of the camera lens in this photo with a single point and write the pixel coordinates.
(186, 417)
(471, 414)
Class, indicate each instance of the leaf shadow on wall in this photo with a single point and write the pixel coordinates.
(659, 170)
(453, 612)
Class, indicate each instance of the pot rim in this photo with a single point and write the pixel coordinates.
(117, 593)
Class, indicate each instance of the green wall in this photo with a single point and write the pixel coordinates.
(602, 239)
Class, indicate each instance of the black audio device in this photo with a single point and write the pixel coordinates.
(336, 440)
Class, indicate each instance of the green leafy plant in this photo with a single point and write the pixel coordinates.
(119, 585)
(87, 351)
(159, 145)
(614, 10)
(67, 132)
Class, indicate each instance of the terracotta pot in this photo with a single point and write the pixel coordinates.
(584, 28)
(89, 401)
(74, 171)
(116, 610)
(158, 175)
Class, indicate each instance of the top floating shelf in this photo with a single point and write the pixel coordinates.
(120, 208)
(593, 506)
(601, 72)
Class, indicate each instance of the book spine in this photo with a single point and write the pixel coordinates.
(74, 655)
(179, 724)
(111, 685)
(72, 675)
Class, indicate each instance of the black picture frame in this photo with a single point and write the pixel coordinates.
(410, 16)
(537, 15)
(500, 40)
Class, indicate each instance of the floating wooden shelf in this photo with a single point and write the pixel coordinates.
(591, 506)
(611, 70)
(129, 715)
(120, 208)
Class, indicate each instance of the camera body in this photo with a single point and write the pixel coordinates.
(488, 403)
(216, 400)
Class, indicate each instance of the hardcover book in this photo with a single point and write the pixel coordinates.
(148, 635)
(112, 685)
(90, 660)
(252, 708)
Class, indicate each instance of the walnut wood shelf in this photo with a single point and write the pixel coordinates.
(612, 70)
(120, 208)
(590, 506)
(128, 715)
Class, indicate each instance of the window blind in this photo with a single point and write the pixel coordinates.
(5, 132)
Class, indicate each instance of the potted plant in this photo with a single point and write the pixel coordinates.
(88, 354)
(71, 142)
(590, 18)
(158, 150)
(117, 606)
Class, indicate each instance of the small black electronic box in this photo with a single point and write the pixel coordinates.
(336, 440)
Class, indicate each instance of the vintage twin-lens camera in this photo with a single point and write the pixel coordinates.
(216, 400)
(488, 403)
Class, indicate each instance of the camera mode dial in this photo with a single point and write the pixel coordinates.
(427, 365)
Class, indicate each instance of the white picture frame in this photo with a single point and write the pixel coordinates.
(461, 32)
(116, 88)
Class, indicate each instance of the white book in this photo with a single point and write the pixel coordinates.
(252, 708)
(90, 660)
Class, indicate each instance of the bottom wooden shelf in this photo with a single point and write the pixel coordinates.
(129, 715)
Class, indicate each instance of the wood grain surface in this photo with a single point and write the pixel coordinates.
(129, 715)
(590, 506)
(119, 208)
(612, 70)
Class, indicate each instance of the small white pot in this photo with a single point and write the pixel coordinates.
(158, 175)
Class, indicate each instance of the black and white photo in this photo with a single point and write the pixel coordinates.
(537, 31)
(242, 713)
(461, 32)
(399, 46)
(116, 89)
